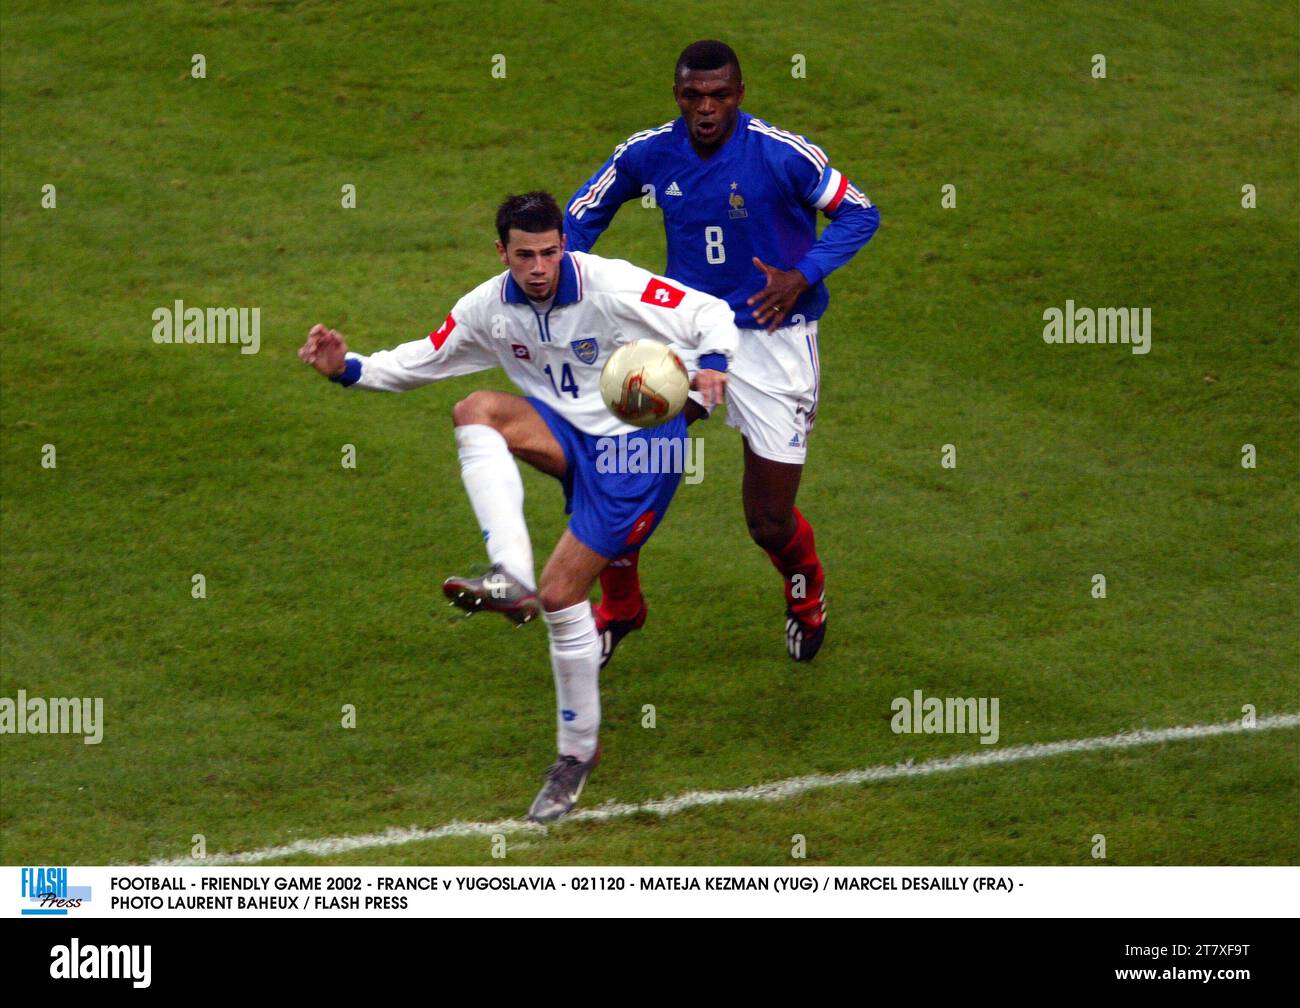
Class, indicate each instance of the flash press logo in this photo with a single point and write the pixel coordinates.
(75, 961)
(47, 893)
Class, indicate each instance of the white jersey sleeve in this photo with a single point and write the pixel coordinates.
(461, 345)
(554, 354)
(653, 306)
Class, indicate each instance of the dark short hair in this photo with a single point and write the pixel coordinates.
(707, 54)
(534, 212)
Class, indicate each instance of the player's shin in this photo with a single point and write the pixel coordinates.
(620, 589)
(575, 660)
(496, 492)
(799, 564)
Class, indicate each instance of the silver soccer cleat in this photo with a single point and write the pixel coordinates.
(498, 591)
(564, 780)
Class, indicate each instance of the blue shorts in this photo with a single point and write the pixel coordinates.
(614, 511)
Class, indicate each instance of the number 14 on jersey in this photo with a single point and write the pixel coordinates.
(567, 382)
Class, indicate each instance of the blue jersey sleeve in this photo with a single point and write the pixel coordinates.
(811, 180)
(597, 200)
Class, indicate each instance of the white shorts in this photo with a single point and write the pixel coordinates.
(772, 390)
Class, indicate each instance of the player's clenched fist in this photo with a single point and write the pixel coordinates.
(324, 350)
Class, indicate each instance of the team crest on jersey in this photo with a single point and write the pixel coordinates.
(520, 351)
(585, 349)
(737, 201)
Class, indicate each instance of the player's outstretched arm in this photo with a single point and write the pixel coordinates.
(451, 349)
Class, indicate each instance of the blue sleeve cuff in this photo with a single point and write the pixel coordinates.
(712, 362)
(351, 373)
(811, 270)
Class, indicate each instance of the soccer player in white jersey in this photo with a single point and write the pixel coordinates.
(740, 199)
(550, 321)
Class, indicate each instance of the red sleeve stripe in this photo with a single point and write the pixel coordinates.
(839, 195)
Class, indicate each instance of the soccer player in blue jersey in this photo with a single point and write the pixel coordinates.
(740, 200)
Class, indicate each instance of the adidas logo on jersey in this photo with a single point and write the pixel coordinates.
(673, 189)
(794, 441)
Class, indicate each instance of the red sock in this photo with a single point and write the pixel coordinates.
(620, 590)
(804, 579)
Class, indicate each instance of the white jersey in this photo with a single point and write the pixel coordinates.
(556, 353)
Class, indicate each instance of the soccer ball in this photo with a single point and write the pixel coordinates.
(644, 383)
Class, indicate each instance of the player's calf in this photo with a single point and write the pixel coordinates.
(805, 590)
(622, 607)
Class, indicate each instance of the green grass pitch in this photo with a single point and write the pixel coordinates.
(222, 715)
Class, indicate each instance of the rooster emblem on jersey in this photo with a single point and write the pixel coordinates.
(737, 201)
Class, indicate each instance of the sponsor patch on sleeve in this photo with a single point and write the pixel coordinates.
(439, 335)
(664, 295)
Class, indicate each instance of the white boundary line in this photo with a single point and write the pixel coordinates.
(774, 791)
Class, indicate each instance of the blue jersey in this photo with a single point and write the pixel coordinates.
(757, 196)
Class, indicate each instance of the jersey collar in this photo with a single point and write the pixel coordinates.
(569, 290)
(742, 124)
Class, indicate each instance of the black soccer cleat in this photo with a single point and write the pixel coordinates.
(804, 639)
(497, 591)
(613, 631)
(801, 640)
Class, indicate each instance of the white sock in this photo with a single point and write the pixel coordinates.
(575, 660)
(496, 492)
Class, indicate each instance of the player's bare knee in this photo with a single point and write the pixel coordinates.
(475, 408)
(770, 531)
(555, 594)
